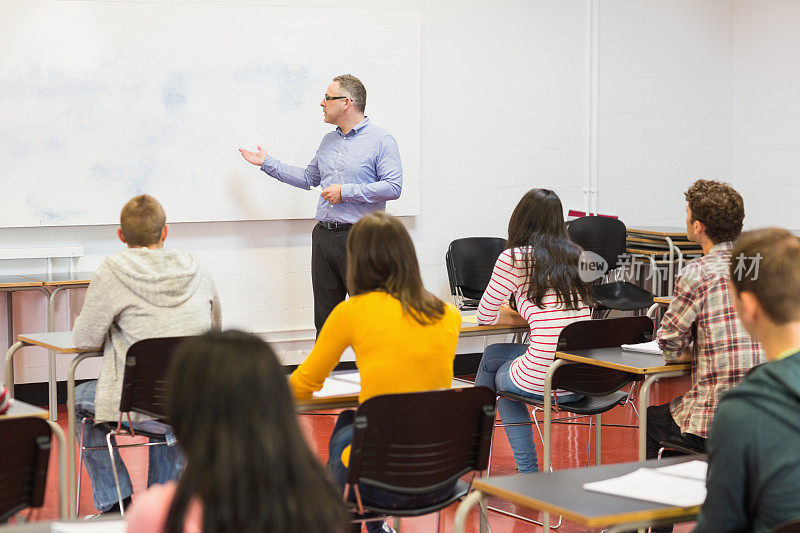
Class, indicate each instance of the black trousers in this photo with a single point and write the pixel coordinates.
(328, 271)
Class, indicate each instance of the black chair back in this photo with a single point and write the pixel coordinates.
(592, 380)
(23, 464)
(470, 262)
(605, 333)
(604, 236)
(144, 387)
(418, 443)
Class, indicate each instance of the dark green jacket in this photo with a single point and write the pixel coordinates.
(754, 452)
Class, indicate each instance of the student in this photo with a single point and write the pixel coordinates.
(700, 325)
(248, 466)
(144, 291)
(404, 338)
(754, 461)
(540, 270)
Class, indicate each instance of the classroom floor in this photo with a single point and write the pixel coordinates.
(569, 451)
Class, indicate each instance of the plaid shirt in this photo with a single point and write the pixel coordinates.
(702, 311)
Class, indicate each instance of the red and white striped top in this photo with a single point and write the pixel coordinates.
(508, 277)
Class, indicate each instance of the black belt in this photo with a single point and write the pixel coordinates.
(333, 225)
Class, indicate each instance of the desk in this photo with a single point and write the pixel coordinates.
(62, 343)
(50, 285)
(351, 400)
(651, 367)
(19, 409)
(562, 493)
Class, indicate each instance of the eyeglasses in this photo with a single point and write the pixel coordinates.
(328, 98)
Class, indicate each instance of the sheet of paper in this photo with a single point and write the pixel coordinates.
(649, 485)
(470, 319)
(691, 469)
(337, 387)
(645, 347)
(350, 377)
(100, 526)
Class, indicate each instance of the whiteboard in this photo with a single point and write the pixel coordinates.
(101, 101)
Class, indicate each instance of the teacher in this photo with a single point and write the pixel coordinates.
(358, 167)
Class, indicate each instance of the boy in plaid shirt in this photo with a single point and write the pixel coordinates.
(701, 325)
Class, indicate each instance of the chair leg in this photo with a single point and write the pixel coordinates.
(80, 467)
(589, 442)
(598, 426)
(438, 522)
(396, 523)
(114, 469)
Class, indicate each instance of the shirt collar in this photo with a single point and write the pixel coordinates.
(787, 353)
(360, 126)
(720, 247)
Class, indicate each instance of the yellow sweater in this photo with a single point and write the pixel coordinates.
(394, 352)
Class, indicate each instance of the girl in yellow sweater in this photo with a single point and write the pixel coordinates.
(404, 338)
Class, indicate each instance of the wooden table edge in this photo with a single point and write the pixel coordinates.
(669, 234)
(33, 342)
(596, 521)
(625, 368)
(32, 283)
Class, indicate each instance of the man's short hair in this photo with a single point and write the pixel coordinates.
(352, 88)
(766, 262)
(142, 220)
(719, 207)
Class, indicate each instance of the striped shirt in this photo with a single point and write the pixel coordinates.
(702, 318)
(508, 277)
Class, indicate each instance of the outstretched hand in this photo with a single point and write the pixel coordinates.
(256, 158)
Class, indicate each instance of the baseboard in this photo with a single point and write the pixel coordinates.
(37, 394)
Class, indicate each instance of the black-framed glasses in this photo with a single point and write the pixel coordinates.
(328, 98)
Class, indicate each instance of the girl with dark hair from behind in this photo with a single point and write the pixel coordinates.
(249, 468)
(539, 269)
(404, 339)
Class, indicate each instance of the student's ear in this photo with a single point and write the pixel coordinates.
(164, 233)
(749, 308)
(120, 235)
(699, 227)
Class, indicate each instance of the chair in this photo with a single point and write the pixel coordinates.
(23, 464)
(469, 267)
(144, 391)
(600, 386)
(418, 443)
(607, 238)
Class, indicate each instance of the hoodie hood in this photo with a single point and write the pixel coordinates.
(163, 278)
(774, 388)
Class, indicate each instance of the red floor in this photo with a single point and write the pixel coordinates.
(569, 451)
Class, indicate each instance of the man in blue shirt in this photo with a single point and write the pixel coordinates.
(358, 167)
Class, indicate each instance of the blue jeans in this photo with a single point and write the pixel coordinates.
(340, 439)
(493, 372)
(166, 462)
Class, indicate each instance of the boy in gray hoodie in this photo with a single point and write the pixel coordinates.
(142, 292)
(753, 456)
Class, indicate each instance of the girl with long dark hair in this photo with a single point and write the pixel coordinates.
(404, 338)
(248, 467)
(539, 269)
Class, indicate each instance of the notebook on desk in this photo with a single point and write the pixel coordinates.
(643, 347)
(684, 486)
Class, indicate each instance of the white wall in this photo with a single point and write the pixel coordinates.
(665, 104)
(766, 126)
(688, 89)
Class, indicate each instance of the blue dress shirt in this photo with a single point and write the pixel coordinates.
(365, 162)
